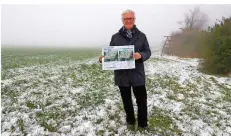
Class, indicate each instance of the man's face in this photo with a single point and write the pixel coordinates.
(128, 20)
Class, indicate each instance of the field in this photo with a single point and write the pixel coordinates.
(65, 92)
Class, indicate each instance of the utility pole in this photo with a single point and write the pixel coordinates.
(168, 42)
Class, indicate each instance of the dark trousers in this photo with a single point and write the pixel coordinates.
(141, 100)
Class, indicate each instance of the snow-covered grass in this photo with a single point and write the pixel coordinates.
(67, 93)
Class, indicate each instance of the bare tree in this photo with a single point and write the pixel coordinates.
(187, 41)
(194, 19)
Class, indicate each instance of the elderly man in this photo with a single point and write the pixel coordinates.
(129, 34)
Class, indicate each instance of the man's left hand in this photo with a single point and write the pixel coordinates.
(137, 56)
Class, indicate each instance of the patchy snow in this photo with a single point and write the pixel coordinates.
(65, 129)
(180, 96)
(68, 99)
(77, 90)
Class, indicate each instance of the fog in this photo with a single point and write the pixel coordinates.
(91, 25)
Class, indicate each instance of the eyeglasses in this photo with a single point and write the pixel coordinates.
(128, 19)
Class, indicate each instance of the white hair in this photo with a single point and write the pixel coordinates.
(127, 11)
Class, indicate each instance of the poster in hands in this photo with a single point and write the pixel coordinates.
(118, 57)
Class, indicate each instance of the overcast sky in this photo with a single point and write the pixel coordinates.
(91, 25)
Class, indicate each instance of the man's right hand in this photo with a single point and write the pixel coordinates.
(100, 59)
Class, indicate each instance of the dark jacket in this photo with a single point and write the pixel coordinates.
(132, 77)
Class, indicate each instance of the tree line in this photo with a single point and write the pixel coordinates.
(212, 44)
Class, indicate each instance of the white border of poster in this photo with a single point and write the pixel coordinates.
(118, 57)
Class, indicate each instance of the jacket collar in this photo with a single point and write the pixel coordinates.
(135, 33)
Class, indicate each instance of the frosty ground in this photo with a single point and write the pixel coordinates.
(67, 93)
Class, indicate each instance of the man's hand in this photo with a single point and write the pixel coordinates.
(137, 56)
(100, 59)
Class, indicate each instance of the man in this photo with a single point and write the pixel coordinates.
(135, 78)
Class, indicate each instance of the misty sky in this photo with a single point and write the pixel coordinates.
(91, 25)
